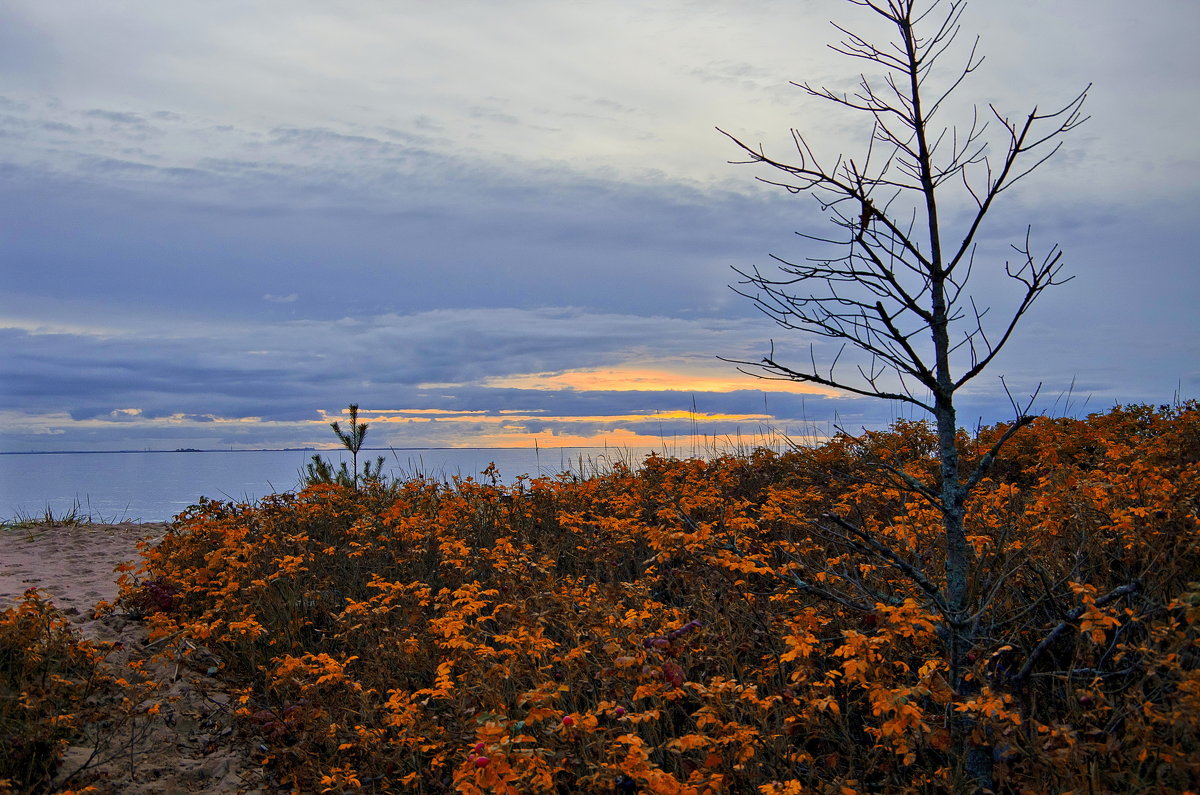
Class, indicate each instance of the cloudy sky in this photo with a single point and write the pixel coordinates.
(491, 223)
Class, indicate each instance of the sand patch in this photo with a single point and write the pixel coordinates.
(74, 565)
(193, 744)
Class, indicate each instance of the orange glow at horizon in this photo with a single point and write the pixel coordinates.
(515, 416)
(650, 379)
(514, 427)
(379, 412)
(617, 438)
(381, 415)
(508, 428)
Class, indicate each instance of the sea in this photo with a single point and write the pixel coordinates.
(155, 486)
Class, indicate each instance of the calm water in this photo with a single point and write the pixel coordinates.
(153, 487)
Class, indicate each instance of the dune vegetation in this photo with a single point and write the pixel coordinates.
(50, 681)
(693, 626)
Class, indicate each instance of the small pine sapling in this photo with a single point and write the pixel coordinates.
(321, 471)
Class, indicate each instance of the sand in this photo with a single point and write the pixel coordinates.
(73, 564)
(193, 744)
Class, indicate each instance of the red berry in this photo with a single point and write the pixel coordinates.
(479, 748)
(619, 711)
(568, 720)
(481, 761)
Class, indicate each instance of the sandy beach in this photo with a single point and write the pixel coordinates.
(72, 563)
(193, 744)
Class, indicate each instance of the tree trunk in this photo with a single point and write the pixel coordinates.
(976, 756)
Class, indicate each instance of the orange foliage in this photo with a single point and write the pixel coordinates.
(52, 684)
(658, 630)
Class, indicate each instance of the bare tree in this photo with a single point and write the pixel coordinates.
(896, 288)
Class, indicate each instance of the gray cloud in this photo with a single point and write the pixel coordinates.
(443, 359)
(206, 217)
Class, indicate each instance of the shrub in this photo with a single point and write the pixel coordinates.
(50, 681)
(677, 629)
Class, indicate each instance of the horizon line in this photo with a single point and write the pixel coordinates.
(311, 449)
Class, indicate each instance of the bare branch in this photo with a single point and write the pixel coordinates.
(912, 572)
(989, 458)
(1065, 625)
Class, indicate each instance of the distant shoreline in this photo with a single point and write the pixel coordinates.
(291, 450)
(188, 450)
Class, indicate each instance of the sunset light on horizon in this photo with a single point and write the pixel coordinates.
(517, 224)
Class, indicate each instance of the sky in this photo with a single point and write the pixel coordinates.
(508, 224)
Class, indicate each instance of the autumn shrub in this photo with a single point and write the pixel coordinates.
(692, 627)
(50, 684)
